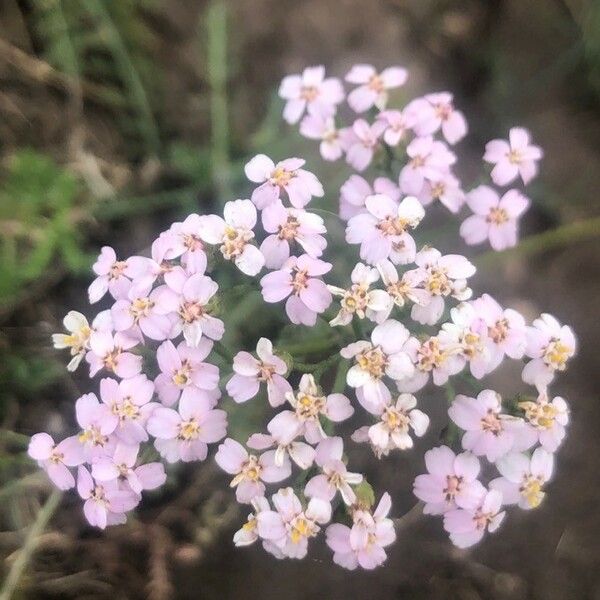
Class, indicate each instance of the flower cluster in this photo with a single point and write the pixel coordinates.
(405, 317)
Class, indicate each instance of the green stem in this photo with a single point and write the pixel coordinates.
(216, 22)
(31, 541)
(129, 75)
(564, 235)
(223, 352)
(339, 385)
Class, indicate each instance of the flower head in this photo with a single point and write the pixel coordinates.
(287, 175)
(373, 87)
(310, 91)
(514, 157)
(495, 218)
(250, 372)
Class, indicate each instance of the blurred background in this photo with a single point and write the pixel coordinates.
(118, 117)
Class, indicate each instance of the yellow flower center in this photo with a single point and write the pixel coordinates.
(191, 311)
(491, 422)
(556, 354)
(117, 269)
(499, 332)
(430, 355)
(541, 415)
(374, 361)
(289, 229)
(309, 406)
(497, 216)
(392, 226)
(453, 487)
(189, 430)
(438, 283)
(92, 436)
(234, 241)
(514, 157)
(376, 84)
(531, 490)
(356, 299)
(299, 281)
(281, 177)
(192, 242)
(395, 420)
(302, 528)
(309, 93)
(141, 307)
(126, 409)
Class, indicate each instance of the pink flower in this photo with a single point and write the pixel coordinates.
(488, 432)
(506, 329)
(56, 458)
(396, 421)
(356, 190)
(359, 299)
(111, 276)
(299, 452)
(309, 406)
(287, 175)
(290, 526)
(186, 302)
(185, 434)
(77, 340)
(297, 281)
(250, 372)
(317, 127)
(400, 289)
(550, 345)
(468, 334)
(398, 124)
(129, 400)
(495, 218)
(310, 91)
(437, 355)
(121, 467)
(184, 241)
(142, 268)
(451, 481)
(110, 352)
(104, 503)
(384, 355)
(97, 423)
(523, 478)
(234, 233)
(545, 423)
(250, 470)
(248, 533)
(467, 526)
(184, 368)
(442, 276)
(429, 159)
(514, 157)
(363, 544)
(382, 230)
(444, 187)
(373, 87)
(361, 141)
(334, 477)
(444, 115)
(287, 225)
(138, 311)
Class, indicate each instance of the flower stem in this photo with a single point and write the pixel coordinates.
(223, 352)
(31, 541)
(216, 24)
(564, 235)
